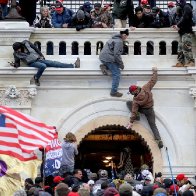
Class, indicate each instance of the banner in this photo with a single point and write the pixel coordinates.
(53, 157)
(13, 172)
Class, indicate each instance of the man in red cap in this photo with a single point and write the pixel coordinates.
(143, 103)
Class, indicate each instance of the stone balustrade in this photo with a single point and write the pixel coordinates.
(143, 48)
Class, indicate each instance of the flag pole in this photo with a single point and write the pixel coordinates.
(171, 171)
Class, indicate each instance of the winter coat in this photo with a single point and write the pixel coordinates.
(69, 152)
(144, 22)
(186, 22)
(43, 23)
(32, 54)
(160, 20)
(123, 9)
(105, 18)
(112, 50)
(144, 99)
(102, 179)
(86, 23)
(59, 19)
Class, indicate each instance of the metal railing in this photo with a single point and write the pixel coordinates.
(74, 5)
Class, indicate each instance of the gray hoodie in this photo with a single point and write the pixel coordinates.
(30, 55)
(112, 50)
(69, 152)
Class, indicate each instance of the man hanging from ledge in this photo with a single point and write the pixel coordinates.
(30, 54)
(143, 102)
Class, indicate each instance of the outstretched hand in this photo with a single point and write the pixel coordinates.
(129, 126)
(13, 64)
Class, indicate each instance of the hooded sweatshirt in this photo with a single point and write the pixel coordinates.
(112, 50)
(69, 152)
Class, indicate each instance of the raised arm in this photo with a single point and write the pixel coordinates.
(152, 81)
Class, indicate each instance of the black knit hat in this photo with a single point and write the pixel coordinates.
(17, 45)
(126, 31)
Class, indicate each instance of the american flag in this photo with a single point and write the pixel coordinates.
(21, 135)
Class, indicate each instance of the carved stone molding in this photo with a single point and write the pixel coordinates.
(11, 96)
(192, 93)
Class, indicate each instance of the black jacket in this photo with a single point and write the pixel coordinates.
(123, 9)
(86, 23)
(186, 22)
(144, 22)
(160, 20)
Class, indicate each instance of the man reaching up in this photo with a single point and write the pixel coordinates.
(143, 102)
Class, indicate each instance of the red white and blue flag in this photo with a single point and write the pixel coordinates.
(20, 136)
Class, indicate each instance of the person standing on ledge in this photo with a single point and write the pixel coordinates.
(111, 58)
(143, 102)
(185, 30)
(30, 54)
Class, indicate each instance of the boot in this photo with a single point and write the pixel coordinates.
(77, 63)
(116, 94)
(178, 65)
(105, 70)
(190, 64)
(35, 81)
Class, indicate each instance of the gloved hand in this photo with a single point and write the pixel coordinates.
(79, 27)
(13, 64)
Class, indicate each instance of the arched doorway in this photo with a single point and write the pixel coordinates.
(109, 141)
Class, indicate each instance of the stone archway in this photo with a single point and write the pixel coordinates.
(109, 120)
(111, 111)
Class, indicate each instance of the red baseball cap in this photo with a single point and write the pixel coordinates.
(180, 177)
(144, 2)
(58, 179)
(58, 6)
(171, 4)
(132, 88)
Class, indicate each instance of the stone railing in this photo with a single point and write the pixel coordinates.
(143, 47)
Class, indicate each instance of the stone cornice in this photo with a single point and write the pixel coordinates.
(26, 71)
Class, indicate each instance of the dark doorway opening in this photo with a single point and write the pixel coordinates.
(109, 141)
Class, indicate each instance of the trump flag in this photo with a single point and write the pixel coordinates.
(20, 136)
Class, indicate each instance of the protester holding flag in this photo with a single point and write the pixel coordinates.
(69, 148)
(20, 136)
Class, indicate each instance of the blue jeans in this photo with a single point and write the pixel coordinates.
(42, 64)
(114, 68)
(4, 10)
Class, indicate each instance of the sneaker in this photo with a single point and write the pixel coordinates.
(160, 143)
(35, 81)
(105, 70)
(178, 65)
(116, 94)
(77, 63)
(190, 64)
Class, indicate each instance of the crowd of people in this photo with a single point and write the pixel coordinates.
(96, 15)
(102, 183)
(118, 180)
